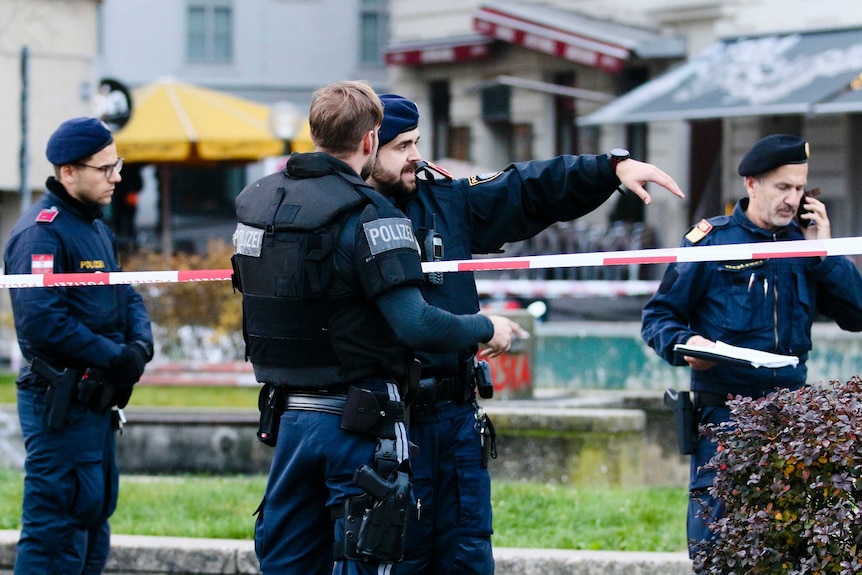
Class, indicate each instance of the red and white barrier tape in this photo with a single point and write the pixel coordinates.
(733, 252)
(547, 289)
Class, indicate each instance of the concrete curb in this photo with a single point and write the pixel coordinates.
(138, 555)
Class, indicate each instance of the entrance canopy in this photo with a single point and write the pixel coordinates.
(799, 73)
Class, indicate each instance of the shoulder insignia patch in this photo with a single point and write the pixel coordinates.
(41, 264)
(699, 231)
(482, 178)
(389, 234)
(442, 171)
(47, 215)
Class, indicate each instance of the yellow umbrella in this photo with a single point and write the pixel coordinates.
(173, 122)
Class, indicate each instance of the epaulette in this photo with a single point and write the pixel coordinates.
(424, 164)
(698, 232)
(47, 215)
(482, 178)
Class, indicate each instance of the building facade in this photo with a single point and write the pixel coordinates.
(508, 80)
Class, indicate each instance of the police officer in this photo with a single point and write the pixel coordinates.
(452, 533)
(763, 304)
(71, 481)
(329, 270)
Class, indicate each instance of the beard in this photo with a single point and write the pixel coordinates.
(368, 168)
(393, 186)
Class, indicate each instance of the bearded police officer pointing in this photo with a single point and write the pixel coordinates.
(764, 304)
(328, 271)
(453, 219)
(84, 349)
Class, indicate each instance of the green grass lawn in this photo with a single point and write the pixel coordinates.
(525, 514)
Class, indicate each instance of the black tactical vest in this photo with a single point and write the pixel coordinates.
(304, 324)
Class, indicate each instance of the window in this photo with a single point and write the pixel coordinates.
(373, 33)
(209, 31)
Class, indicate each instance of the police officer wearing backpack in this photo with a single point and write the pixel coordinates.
(453, 219)
(84, 349)
(328, 271)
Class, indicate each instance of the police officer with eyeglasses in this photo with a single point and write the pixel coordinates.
(84, 347)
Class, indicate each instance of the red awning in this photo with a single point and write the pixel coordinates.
(551, 40)
(440, 51)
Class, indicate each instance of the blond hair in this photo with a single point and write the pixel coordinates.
(341, 114)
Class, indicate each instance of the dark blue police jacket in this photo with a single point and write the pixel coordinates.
(74, 327)
(764, 304)
(477, 215)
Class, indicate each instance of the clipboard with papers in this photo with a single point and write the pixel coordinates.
(727, 353)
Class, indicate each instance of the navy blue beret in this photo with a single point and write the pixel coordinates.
(399, 115)
(77, 139)
(771, 152)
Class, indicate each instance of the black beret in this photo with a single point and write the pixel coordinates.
(76, 139)
(399, 115)
(771, 152)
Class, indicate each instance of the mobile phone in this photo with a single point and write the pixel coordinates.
(812, 193)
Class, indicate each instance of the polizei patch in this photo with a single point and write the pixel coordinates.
(389, 234)
(247, 240)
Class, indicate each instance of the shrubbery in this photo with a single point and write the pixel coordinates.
(193, 320)
(788, 471)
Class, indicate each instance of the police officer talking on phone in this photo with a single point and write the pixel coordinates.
(84, 347)
(762, 304)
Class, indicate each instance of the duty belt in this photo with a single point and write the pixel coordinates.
(333, 404)
(450, 388)
(361, 410)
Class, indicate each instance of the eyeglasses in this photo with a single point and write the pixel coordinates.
(107, 169)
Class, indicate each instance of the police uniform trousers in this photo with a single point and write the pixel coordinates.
(70, 490)
(311, 475)
(449, 532)
(703, 508)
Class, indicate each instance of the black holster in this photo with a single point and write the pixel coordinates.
(376, 521)
(269, 404)
(61, 389)
(685, 419)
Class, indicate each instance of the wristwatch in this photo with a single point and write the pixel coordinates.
(616, 156)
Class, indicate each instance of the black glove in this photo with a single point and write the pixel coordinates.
(128, 367)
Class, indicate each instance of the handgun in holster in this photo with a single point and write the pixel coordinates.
(381, 530)
(61, 387)
(685, 419)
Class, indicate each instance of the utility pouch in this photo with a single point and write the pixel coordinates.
(88, 387)
(685, 419)
(61, 388)
(371, 412)
(426, 395)
(270, 414)
(484, 383)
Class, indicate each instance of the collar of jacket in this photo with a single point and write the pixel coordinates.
(83, 210)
